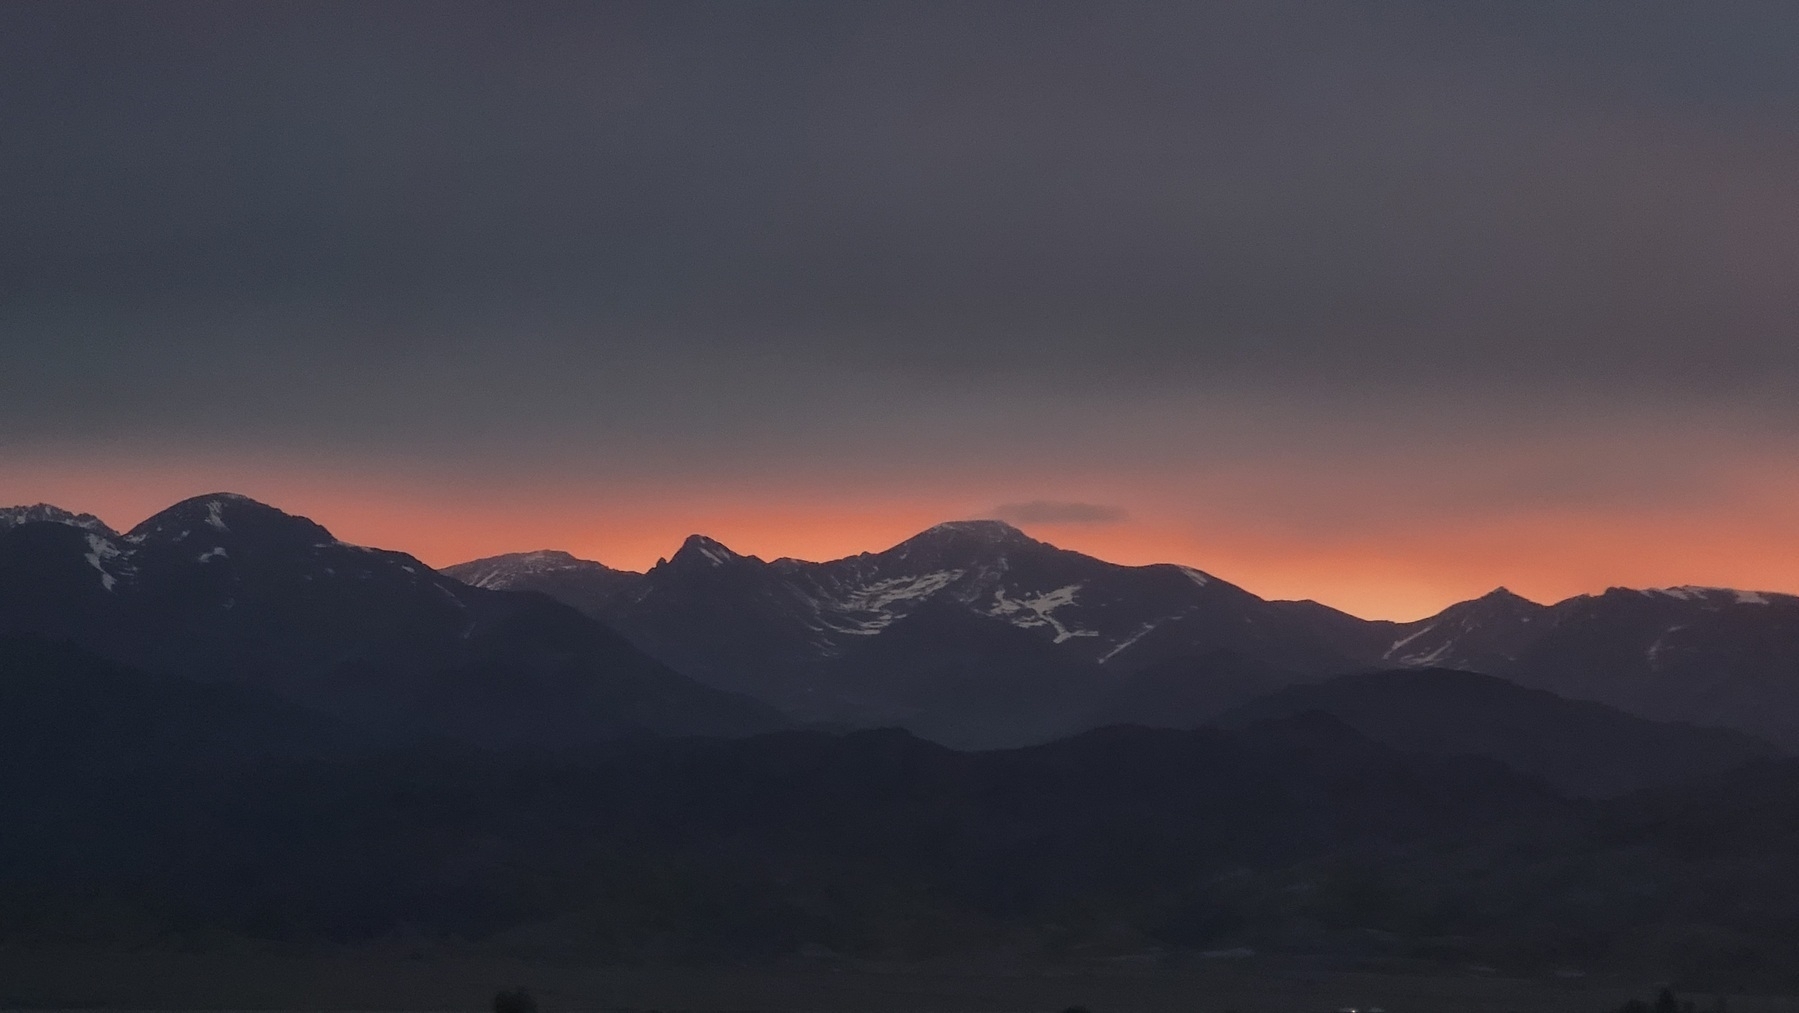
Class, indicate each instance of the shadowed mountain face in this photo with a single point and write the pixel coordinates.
(1711, 656)
(12, 517)
(971, 633)
(1581, 748)
(868, 843)
(149, 810)
(227, 589)
(1480, 635)
(582, 583)
(1707, 655)
(307, 784)
(67, 712)
(975, 634)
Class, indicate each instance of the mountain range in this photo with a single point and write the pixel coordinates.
(975, 634)
(221, 588)
(226, 724)
(971, 633)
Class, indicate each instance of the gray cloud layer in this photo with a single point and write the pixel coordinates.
(765, 230)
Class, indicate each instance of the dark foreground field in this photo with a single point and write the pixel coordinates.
(151, 816)
(40, 980)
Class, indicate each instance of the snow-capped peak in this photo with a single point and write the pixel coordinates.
(1693, 592)
(988, 530)
(220, 514)
(957, 543)
(13, 516)
(506, 571)
(699, 548)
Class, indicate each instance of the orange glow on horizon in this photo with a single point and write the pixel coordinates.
(1411, 569)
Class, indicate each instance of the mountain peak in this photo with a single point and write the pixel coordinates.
(1499, 601)
(220, 514)
(702, 551)
(505, 570)
(966, 535)
(990, 530)
(13, 516)
(956, 543)
(545, 557)
(1506, 596)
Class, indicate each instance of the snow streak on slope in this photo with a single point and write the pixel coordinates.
(1142, 631)
(1039, 610)
(12, 517)
(867, 609)
(100, 552)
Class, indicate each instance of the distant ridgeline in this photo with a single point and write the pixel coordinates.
(976, 635)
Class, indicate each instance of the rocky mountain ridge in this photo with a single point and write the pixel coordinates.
(225, 589)
(977, 615)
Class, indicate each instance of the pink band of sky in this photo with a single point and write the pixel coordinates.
(1354, 549)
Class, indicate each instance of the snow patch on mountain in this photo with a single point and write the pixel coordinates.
(1402, 641)
(705, 551)
(100, 552)
(1710, 595)
(1430, 658)
(852, 626)
(13, 516)
(864, 610)
(501, 572)
(1142, 631)
(1654, 654)
(876, 597)
(1195, 576)
(1038, 610)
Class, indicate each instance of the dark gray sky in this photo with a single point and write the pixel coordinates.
(1309, 274)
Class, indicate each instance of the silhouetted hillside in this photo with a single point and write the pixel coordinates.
(977, 635)
(225, 589)
(1580, 747)
(867, 843)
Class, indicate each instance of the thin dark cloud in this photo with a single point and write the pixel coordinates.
(1048, 511)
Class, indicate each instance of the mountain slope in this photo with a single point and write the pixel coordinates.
(1709, 655)
(1292, 837)
(1481, 635)
(977, 635)
(583, 583)
(1713, 656)
(63, 709)
(12, 517)
(1185, 692)
(1580, 747)
(970, 632)
(223, 588)
(873, 843)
